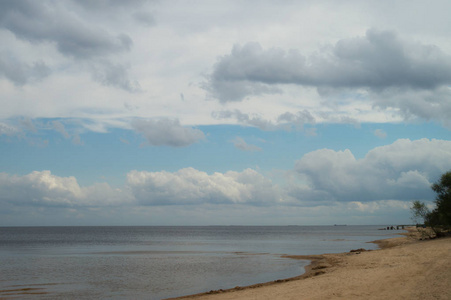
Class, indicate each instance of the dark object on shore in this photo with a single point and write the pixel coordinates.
(358, 251)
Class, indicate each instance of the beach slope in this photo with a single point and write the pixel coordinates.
(405, 268)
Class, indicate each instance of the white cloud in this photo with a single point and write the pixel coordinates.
(378, 207)
(403, 170)
(42, 189)
(191, 186)
(411, 180)
(328, 185)
(184, 187)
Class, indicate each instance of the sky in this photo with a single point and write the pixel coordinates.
(222, 112)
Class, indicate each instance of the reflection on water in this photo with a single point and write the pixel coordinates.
(159, 262)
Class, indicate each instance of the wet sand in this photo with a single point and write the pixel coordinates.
(404, 268)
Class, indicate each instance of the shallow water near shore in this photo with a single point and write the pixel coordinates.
(161, 262)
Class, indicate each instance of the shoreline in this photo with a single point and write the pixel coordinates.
(327, 264)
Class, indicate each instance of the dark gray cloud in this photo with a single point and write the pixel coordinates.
(330, 117)
(144, 18)
(73, 33)
(39, 21)
(296, 120)
(425, 104)
(167, 132)
(241, 144)
(377, 61)
(135, 10)
(21, 73)
(8, 130)
(286, 121)
(60, 128)
(229, 90)
(380, 133)
(112, 74)
(28, 124)
(103, 5)
(23, 130)
(243, 118)
(411, 77)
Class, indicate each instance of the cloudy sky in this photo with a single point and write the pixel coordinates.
(222, 112)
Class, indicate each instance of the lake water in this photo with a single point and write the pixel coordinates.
(160, 262)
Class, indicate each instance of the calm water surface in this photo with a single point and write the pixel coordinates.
(160, 262)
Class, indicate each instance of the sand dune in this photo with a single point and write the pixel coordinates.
(405, 268)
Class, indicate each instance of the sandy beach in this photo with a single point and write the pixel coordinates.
(404, 268)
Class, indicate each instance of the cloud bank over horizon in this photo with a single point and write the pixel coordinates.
(394, 175)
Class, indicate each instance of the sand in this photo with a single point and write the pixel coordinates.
(405, 268)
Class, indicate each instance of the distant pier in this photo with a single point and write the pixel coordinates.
(395, 227)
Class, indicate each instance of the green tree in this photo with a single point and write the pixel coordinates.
(439, 219)
(442, 212)
(419, 212)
